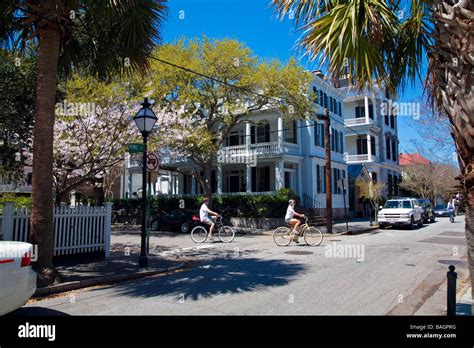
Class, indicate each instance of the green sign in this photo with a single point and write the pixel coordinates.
(136, 148)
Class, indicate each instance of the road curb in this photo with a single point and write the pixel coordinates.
(75, 285)
(353, 232)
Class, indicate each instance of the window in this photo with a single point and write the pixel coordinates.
(390, 185)
(290, 131)
(374, 177)
(387, 122)
(361, 146)
(260, 179)
(318, 179)
(392, 121)
(326, 101)
(321, 98)
(318, 134)
(336, 140)
(260, 134)
(394, 149)
(233, 139)
(387, 147)
(333, 143)
(331, 104)
(340, 109)
(372, 146)
(341, 141)
(371, 111)
(315, 95)
(360, 111)
(324, 179)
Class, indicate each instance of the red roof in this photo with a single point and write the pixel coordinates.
(407, 159)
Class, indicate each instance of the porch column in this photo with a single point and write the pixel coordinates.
(170, 183)
(280, 133)
(366, 105)
(300, 184)
(279, 175)
(193, 185)
(219, 179)
(369, 147)
(160, 189)
(248, 178)
(248, 141)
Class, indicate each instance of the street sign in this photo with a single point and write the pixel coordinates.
(136, 148)
(152, 162)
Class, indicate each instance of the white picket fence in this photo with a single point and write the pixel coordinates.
(77, 230)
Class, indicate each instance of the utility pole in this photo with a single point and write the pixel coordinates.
(327, 142)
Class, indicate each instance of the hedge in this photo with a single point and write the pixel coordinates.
(255, 206)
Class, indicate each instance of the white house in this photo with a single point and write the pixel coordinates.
(270, 153)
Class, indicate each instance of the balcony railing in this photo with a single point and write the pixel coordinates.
(360, 158)
(15, 188)
(359, 121)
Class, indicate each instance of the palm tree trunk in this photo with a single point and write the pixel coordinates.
(452, 88)
(41, 221)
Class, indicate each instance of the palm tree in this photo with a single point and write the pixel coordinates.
(100, 37)
(373, 42)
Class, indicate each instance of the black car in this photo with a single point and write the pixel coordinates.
(441, 210)
(182, 220)
(428, 211)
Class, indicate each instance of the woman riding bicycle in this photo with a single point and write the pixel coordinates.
(289, 219)
(204, 216)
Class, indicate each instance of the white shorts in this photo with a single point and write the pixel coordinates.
(208, 221)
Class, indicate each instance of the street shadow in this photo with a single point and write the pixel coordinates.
(35, 311)
(217, 276)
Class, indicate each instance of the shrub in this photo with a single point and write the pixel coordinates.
(18, 201)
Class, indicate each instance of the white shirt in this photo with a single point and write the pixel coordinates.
(203, 212)
(450, 206)
(290, 212)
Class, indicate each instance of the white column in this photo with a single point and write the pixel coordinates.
(366, 104)
(219, 179)
(369, 147)
(247, 135)
(248, 178)
(170, 183)
(160, 188)
(279, 175)
(280, 133)
(193, 185)
(300, 184)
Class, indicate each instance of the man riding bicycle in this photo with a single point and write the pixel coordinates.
(289, 219)
(204, 216)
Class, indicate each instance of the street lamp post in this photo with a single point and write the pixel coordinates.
(145, 120)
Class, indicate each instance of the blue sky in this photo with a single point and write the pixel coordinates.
(253, 22)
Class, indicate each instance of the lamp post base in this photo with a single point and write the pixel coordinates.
(143, 261)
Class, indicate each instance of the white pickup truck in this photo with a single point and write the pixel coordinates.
(401, 211)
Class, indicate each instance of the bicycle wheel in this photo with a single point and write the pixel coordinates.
(282, 236)
(199, 234)
(313, 236)
(226, 234)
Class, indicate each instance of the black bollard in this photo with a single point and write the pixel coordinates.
(452, 276)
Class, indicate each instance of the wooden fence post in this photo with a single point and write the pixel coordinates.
(7, 220)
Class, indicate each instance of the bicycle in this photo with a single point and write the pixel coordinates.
(226, 234)
(283, 235)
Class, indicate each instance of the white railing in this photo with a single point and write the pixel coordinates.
(15, 188)
(358, 121)
(77, 230)
(359, 158)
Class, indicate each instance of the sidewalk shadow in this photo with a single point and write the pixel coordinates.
(217, 276)
(35, 311)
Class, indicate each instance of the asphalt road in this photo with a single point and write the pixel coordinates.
(387, 271)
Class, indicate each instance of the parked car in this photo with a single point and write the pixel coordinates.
(441, 210)
(401, 212)
(17, 278)
(428, 212)
(182, 220)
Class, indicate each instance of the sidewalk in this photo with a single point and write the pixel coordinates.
(118, 267)
(339, 228)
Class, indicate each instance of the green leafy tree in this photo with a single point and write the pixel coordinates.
(17, 107)
(375, 41)
(122, 33)
(211, 109)
(371, 192)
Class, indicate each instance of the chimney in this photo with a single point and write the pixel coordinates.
(318, 73)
